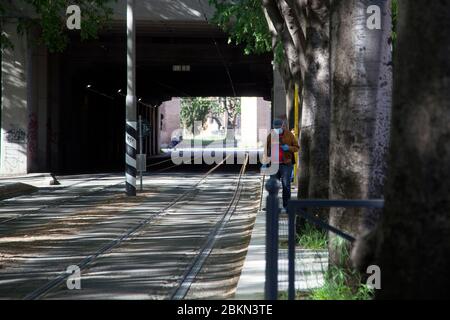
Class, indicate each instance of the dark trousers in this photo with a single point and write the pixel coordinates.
(284, 175)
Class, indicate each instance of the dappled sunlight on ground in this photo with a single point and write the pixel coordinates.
(39, 246)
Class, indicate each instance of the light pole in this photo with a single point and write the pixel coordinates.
(131, 124)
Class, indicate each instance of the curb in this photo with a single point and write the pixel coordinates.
(11, 190)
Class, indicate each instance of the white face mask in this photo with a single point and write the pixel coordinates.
(279, 131)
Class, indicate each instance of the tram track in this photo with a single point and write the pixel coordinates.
(95, 191)
(86, 262)
(189, 277)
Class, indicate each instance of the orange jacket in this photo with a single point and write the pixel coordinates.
(286, 138)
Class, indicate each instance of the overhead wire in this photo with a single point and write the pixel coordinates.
(227, 69)
(175, 88)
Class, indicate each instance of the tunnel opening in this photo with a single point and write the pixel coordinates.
(86, 122)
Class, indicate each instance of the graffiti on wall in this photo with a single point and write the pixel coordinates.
(14, 152)
(16, 135)
(14, 160)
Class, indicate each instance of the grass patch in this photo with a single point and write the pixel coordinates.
(309, 238)
(340, 279)
(299, 295)
(336, 285)
(312, 238)
(336, 288)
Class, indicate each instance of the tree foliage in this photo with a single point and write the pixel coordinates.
(264, 26)
(244, 21)
(50, 17)
(195, 110)
(229, 105)
(394, 21)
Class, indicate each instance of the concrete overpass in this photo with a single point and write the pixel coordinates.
(52, 122)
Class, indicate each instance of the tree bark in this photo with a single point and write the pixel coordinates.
(361, 102)
(290, 109)
(414, 247)
(284, 26)
(279, 24)
(315, 125)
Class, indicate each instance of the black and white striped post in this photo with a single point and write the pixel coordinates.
(131, 124)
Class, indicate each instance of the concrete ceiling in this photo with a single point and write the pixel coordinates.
(160, 46)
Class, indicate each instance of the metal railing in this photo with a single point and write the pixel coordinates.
(297, 208)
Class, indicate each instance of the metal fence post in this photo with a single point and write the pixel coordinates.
(291, 252)
(272, 210)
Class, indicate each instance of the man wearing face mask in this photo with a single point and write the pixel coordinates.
(288, 146)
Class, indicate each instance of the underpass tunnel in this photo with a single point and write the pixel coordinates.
(89, 114)
(65, 113)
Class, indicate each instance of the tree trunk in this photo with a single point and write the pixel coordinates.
(361, 102)
(284, 26)
(315, 125)
(290, 104)
(414, 255)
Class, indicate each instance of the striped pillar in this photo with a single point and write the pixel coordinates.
(131, 125)
(130, 157)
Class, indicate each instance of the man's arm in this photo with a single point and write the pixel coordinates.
(267, 150)
(294, 147)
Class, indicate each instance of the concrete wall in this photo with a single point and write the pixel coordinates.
(154, 10)
(279, 96)
(14, 121)
(264, 119)
(255, 121)
(24, 124)
(38, 109)
(249, 121)
(163, 10)
(33, 86)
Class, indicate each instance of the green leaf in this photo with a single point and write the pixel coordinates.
(52, 19)
(245, 23)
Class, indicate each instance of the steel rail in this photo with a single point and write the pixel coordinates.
(199, 260)
(96, 191)
(84, 263)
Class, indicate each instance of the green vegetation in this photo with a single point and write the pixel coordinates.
(51, 20)
(245, 23)
(336, 287)
(338, 279)
(310, 237)
(229, 105)
(394, 22)
(198, 109)
(299, 295)
(195, 110)
(342, 282)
